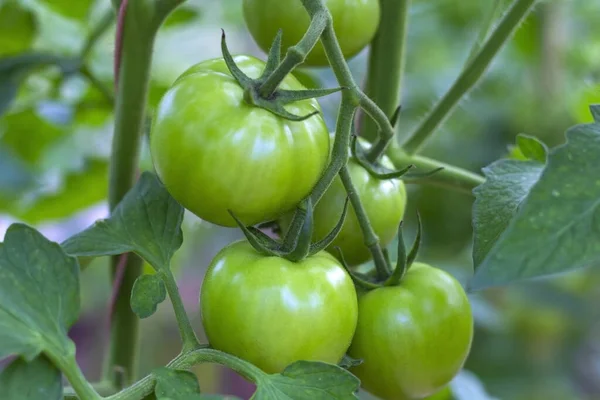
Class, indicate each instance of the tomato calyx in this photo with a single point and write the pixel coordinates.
(297, 244)
(275, 101)
(403, 263)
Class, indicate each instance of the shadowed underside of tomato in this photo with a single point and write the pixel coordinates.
(214, 152)
(415, 337)
(355, 23)
(273, 312)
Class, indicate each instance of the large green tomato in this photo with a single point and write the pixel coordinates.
(273, 312)
(216, 153)
(355, 23)
(415, 337)
(383, 200)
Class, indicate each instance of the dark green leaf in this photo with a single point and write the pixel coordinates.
(497, 201)
(349, 362)
(148, 292)
(181, 16)
(78, 9)
(147, 222)
(532, 148)
(557, 227)
(35, 380)
(305, 380)
(595, 110)
(175, 384)
(39, 294)
(17, 28)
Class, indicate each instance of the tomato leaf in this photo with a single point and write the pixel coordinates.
(498, 199)
(349, 362)
(147, 293)
(556, 227)
(18, 28)
(181, 16)
(595, 110)
(39, 295)
(77, 10)
(308, 380)
(35, 380)
(175, 384)
(147, 222)
(532, 148)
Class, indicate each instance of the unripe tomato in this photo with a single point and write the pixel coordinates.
(355, 23)
(413, 338)
(383, 200)
(273, 312)
(215, 153)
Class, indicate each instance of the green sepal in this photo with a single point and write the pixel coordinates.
(395, 116)
(377, 171)
(302, 245)
(404, 262)
(358, 281)
(290, 240)
(327, 240)
(274, 57)
(235, 71)
(258, 240)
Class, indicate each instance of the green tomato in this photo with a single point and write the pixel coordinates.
(355, 23)
(413, 338)
(273, 312)
(216, 153)
(383, 200)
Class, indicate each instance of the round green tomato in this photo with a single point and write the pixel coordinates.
(383, 200)
(413, 338)
(273, 312)
(355, 23)
(216, 153)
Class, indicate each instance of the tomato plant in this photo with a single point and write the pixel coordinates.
(254, 291)
(414, 337)
(216, 153)
(355, 23)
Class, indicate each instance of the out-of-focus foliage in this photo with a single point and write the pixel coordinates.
(533, 341)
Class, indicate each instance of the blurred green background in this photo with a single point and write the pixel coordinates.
(535, 340)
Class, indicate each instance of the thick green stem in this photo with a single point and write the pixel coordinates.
(450, 177)
(469, 76)
(68, 366)
(370, 237)
(386, 68)
(188, 336)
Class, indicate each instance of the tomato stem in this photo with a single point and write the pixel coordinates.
(386, 69)
(470, 75)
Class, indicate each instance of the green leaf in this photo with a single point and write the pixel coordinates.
(349, 362)
(306, 380)
(147, 293)
(595, 110)
(175, 384)
(181, 16)
(557, 226)
(532, 148)
(147, 222)
(39, 295)
(498, 199)
(17, 28)
(35, 380)
(78, 9)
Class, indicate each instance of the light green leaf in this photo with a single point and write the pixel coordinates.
(17, 28)
(557, 226)
(147, 293)
(78, 9)
(306, 380)
(174, 384)
(181, 16)
(39, 295)
(532, 148)
(35, 380)
(147, 222)
(498, 199)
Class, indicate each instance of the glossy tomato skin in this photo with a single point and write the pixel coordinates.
(355, 23)
(215, 152)
(273, 312)
(384, 201)
(415, 337)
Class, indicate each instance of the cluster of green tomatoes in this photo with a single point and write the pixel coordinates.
(218, 155)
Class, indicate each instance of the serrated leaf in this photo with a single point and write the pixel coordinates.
(39, 294)
(35, 380)
(595, 110)
(17, 28)
(306, 380)
(147, 293)
(147, 222)
(174, 384)
(557, 227)
(77, 10)
(532, 148)
(497, 201)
